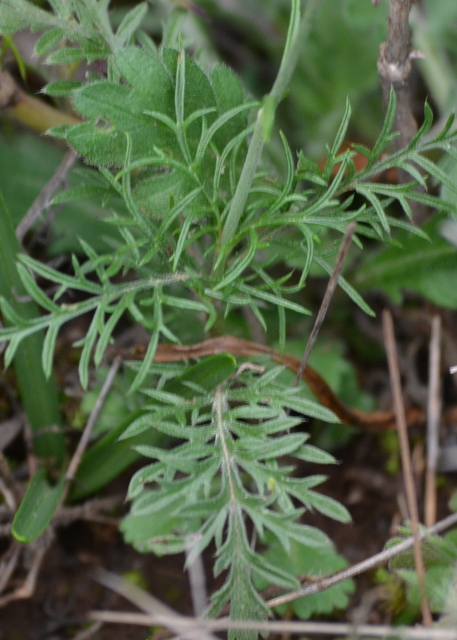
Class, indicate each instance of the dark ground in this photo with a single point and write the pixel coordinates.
(66, 590)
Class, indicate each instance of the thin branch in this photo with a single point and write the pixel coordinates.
(164, 616)
(433, 421)
(197, 579)
(143, 600)
(91, 511)
(44, 197)
(295, 41)
(344, 248)
(27, 588)
(85, 438)
(366, 565)
(336, 629)
(88, 633)
(399, 409)
(9, 564)
(29, 111)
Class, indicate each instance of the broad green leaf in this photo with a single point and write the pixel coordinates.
(37, 508)
(157, 194)
(149, 79)
(428, 267)
(312, 561)
(439, 584)
(38, 394)
(40, 160)
(229, 94)
(115, 111)
(111, 115)
(144, 532)
(108, 457)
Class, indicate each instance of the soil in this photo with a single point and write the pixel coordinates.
(66, 589)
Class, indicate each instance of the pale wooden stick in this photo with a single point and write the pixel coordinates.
(366, 565)
(336, 629)
(166, 617)
(433, 421)
(197, 579)
(399, 409)
(149, 604)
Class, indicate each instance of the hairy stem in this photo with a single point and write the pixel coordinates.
(297, 34)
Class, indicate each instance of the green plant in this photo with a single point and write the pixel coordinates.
(202, 222)
(39, 395)
(440, 555)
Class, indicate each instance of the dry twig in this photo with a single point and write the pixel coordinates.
(408, 476)
(197, 580)
(369, 421)
(85, 438)
(344, 248)
(44, 198)
(433, 421)
(26, 589)
(161, 617)
(336, 629)
(366, 565)
(176, 622)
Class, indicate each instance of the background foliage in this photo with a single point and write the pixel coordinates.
(176, 210)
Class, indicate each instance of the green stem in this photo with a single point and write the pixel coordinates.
(296, 36)
(30, 111)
